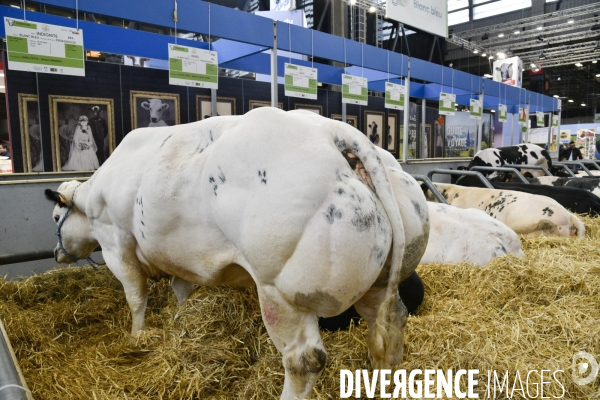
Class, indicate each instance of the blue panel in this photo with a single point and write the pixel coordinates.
(417, 90)
(259, 63)
(375, 58)
(229, 50)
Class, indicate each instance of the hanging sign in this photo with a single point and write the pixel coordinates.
(502, 113)
(475, 109)
(522, 115)
(354, 90)
(394, 96)
(447, 103)
(555, 120)
(38, 47)
(428, 15)
(539, 116)
(300, 81)
(189, 66)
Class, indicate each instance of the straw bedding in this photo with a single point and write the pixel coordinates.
(70, 330)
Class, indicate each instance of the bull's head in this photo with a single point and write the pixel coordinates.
(96, 111)
(76, 240)
(156, 108)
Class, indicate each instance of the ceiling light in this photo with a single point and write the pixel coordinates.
(532, 65)
(558, 79)
(487, 76)
(517, 32)
(570, 21)
(372, 9)
(483, 54)
(501, 34)
(475, 51)
(582, 104)
(491, 57)
(542, 56)
(492, 110)
(539, 28)
(594, 62)
(555, 96)
(352, 2)
(501, 55)
(597, 75)
(578, 64)
(570, 101)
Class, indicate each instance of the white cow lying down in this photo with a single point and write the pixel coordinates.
(468, 235)
(526, 214)
(267, 198)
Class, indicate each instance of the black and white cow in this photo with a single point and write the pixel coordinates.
(506, 71)
(592, 184)
(521, 154)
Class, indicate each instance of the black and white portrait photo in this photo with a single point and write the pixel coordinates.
(374, 127)
(82, 132)
(33, 157)
(151, 109)
(350, 119)
(225, 106)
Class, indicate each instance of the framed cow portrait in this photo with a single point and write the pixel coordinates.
(150, 109)
(317, 109)
(374, 126)
(350, 119)
(225, 106)
(257, 103)
(82, 131)
(31, 140)
(392, 132)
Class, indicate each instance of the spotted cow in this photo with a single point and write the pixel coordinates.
(525, 213)
(521, 154)
(263, 199)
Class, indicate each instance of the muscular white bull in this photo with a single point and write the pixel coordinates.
(266, 198)
(468, 235)
(526, 214)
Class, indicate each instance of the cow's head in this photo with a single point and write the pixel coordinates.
(505, 70)
(96, 111)
(73, 225)
(83, 124)
(138, 61)
(156, 108)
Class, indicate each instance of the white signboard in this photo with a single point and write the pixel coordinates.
(555, 120)
(509, 71)
(447, 103)
(354, 90)
(300, 81)
(502, 113)
(538, 135)
(539, 117)
(189, 66)
(394, 96)
(475, 109)
(428, 15)
(38, 47)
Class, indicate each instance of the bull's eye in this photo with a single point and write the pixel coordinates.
(56, 218)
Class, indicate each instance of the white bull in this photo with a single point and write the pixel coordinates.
(266, 198)
(525, 213)
(470, 235)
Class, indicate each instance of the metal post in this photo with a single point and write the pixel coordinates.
(344, 112)
(406, 112)
(423, 110)
(480, 129)
(274, 90)
(213, 102)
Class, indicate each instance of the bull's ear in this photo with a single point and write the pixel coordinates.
(145, 105)
(55, 197)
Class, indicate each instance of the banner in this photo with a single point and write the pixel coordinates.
(523, 115)
(475, 109)
(189, 66)
(555, 120)
(539, 117)
(300, 81)
(502, 113)
(354, 90)
(447, 103)
(428, 15)
(509, 71)
(38, 47)
(394, 96)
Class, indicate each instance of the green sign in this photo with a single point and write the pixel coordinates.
(502, 113)
(38, 47)
(189, 66)
(555, 120)
(300, 81)
(475, 108)
(394, 96)
(447, 103)
(354, 90)
(539, 116)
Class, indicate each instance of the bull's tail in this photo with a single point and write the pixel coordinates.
(386, 336)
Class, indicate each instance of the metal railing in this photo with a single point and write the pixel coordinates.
(458, 173)
(431, 187)
(501, 169)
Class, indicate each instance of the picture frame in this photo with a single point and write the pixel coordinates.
(438, 140)
(148, 109)
(426, 141)
(392, 132)
(82, 130)
(258, 103)
(31, 144)
(374, 126)
(350, 119)
(317, 109)
(225, 106)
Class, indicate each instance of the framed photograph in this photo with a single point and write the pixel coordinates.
(392, 132)
(438, 139)
(374, 126)
(256, 104)
(310, 107)
(150, 109)
(83, 132)
(427, 150)
(351, 119)
(31, 141)
(225, 106)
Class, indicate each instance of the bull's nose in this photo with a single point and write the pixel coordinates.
(153, 119)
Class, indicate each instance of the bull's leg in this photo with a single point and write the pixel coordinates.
(182, 289)
(386, 318)
(136, 288)
(296, 335)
